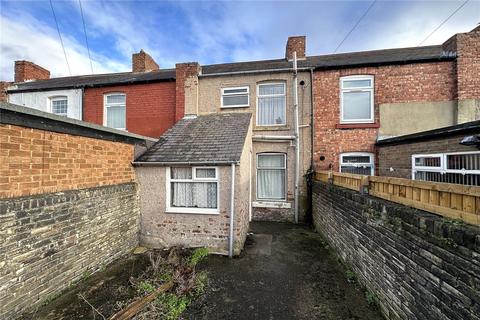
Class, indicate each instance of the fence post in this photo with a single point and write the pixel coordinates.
(330, 177)
(364, 184)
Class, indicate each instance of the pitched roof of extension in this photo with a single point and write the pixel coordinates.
(331, 61)
(340, 60)
(208, 139)
(94, 80)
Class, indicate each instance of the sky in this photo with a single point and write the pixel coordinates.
(211, 31)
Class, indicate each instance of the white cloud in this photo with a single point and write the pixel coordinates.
(26, 38)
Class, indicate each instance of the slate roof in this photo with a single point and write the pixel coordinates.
(95, 80)
(209, 139)
(341, 60)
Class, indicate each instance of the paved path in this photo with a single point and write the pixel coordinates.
(285, 272)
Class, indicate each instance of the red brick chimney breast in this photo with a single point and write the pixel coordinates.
(26, 70)
(143, 62)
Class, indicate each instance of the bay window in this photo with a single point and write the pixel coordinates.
(271, 103)
(192, 189)
(115, 111)
(271, 176)
(356, 99)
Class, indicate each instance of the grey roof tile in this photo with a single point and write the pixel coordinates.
(214, 138)
(95, 80)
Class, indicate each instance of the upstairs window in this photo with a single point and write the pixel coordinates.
(356, 99)
(115, 111)
(459, 168)
(192, 189)
(59, 105)
(357, 163)
(235, 97)
(271, 176)
(271, 104)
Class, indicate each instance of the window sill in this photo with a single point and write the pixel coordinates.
(357, 125)
(272, 128)
(272, 204)
(234, 107)
(191, 211)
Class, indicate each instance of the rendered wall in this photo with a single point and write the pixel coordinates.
(40, 100)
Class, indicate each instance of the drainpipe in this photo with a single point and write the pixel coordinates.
(232, 213)
(250, 189)
(297, 140)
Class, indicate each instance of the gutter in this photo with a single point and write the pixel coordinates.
(187, 163)
(252, 71)
(232, 214)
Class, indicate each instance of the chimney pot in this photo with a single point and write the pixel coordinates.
(295, 44)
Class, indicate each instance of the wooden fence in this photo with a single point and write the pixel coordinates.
(445, 199)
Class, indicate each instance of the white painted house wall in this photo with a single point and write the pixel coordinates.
(41, 100)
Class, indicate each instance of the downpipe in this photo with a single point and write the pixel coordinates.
(232, 214)
(297, 140)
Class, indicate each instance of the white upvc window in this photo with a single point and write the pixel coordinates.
(357, 99)
(454, 167)
(115, 115)
(192, 190)
(236, 97)
(59, 105)
(357, 163)
(271, 176)
(271, 104)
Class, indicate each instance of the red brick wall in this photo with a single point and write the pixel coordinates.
(150, 107)
(393, 84)
(26, 70)
(36, 161)
(3, 90)
(468, 64)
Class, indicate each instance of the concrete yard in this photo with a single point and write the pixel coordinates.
(285, 272)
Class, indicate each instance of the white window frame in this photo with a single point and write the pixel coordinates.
(105, 107)
(442, 169)
(235, 94)
(170, 209)
(272, 95)
(57, 98)
(370, 89)
(358, 154)
(284, 199)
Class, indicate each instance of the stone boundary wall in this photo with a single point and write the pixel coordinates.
(418, 265)
(49, 241)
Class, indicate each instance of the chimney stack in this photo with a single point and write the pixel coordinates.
(143, 62)
(26, 70)
(186, 82)
(295, 44)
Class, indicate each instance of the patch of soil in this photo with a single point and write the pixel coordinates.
(108, 291)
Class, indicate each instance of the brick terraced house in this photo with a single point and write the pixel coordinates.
(141, 101)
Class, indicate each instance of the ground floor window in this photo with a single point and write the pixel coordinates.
(271, 176)
(192, 189)
(458, 167)
(357, 163)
